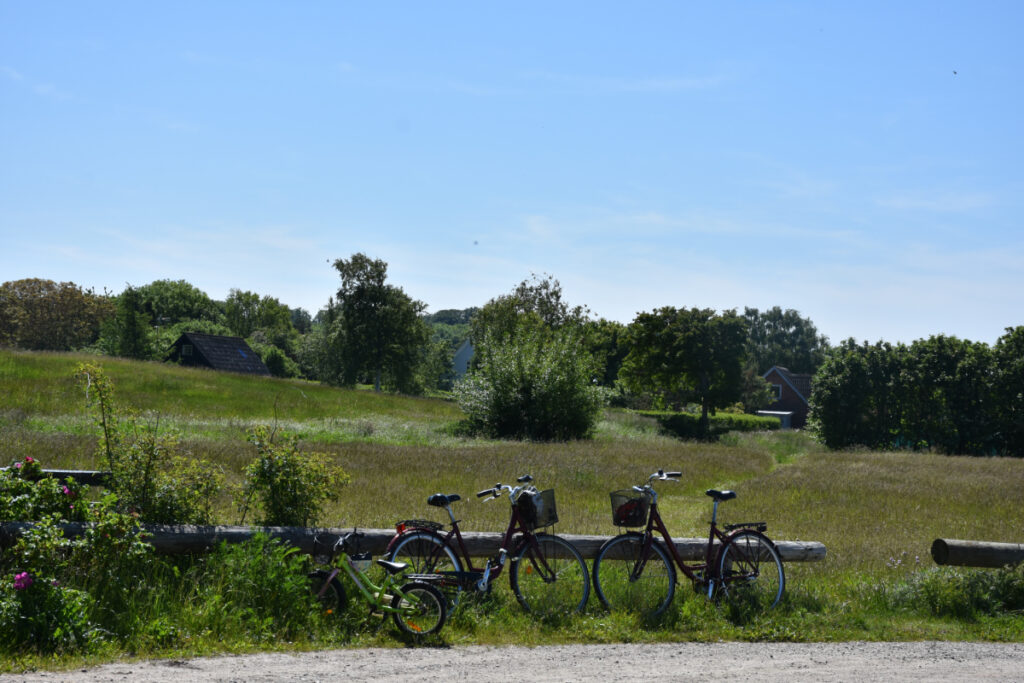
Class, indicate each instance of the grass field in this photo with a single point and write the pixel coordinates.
(877, 513)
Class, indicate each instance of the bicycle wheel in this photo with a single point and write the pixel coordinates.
(626, 577)
(750, 571)
(329, 594)
(549, 577)
(422, 608)
(426, 553)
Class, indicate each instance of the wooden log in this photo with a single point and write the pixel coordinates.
(185, 539)
(84, 477)
(948, 551)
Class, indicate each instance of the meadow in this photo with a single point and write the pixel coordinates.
(876, 512)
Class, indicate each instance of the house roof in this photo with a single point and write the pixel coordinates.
(230, 354)
(798, 382)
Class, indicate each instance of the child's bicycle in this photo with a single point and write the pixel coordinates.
(417, 607)
(547, 573)
(634, 570)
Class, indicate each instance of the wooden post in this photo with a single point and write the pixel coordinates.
(947, 551)
(186, 539)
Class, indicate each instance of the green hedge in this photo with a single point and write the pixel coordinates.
(687, 425)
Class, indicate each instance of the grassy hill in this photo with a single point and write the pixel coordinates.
(877, 513)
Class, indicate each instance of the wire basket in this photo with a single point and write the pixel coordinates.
(629, 508)
(537, 509)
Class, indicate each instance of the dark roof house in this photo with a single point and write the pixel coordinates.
(230, 354)
(792, 393)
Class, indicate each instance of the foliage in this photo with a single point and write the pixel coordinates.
(128, 333)
(246, 312)
(169, 302)
(375, 330)
(961, 594)
(537, 301)
(937, 393)
(289, 487)
(27, 494)
(1008, 389)
(606, 341)
(687, 354)
(166, 336)
(688, 425)
(48, 316)
(147, 472)
(534, 383)
(784, 338)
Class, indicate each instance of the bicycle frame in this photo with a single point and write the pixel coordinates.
(376, 596)
(692, 571)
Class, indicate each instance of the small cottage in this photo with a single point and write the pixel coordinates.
(229, 354)
(792, 394)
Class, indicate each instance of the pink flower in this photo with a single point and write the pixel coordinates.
(17, 465)
(28, 459)
(67, 491)
(22, 581)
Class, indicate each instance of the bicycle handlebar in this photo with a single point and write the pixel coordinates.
(486, 492)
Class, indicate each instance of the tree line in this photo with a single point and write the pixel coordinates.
(543, 368)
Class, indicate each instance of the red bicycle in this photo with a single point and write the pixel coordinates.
(635, 571)
(547, 573)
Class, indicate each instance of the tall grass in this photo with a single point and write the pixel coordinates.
(877, 513)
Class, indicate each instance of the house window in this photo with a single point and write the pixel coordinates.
(186, 349)
(777, 392)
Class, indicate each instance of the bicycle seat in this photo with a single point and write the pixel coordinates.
(721, 495)
(392, 567)
(439, 500)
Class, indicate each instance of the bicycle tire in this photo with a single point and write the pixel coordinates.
(424, 616)
(427, 553)
(565, 591)
(332, 600)
(651, 592)
(749, 570)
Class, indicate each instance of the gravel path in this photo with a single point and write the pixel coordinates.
(788, 662)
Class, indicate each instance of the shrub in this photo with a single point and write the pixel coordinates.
(947, 592)
(147, 472)
(288, 487)
(26, 494)
(535, 384)
(687, 425)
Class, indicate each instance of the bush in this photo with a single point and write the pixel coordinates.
(687, 425)
(947, 592)
(536, 384)
(289, 488)
(26, 494)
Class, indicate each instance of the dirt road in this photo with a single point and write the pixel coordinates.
(788, 662)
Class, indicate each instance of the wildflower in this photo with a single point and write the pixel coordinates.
(22, 581)
(17, 465)
(29, 459)
(67, 491)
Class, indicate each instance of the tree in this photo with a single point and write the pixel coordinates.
(605, 340)
(777, 337)
(538, 299)
(378, 330)
(168, 302)
(1008, 390)
(48, 316)
(687, 354)
(128, 334)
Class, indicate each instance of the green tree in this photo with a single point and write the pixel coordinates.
(45, 315)
(129, 334)
(1008, 390)
(687, 354)
(536, 301)
(168, 302)
(377, 330)
(784, 338)
(606, 342)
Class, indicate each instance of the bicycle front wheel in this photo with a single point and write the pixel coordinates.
(421, 608)
(626, 577)
(750, 571)
(327, 592)
(549, 576)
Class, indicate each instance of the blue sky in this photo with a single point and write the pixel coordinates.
(820, 156)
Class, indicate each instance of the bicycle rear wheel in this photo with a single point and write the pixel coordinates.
(427, 553)
(328, 593)
(422, 608)
(549, 577)
(750, 573)
(628, 578)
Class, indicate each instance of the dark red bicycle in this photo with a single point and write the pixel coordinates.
(635, 570)
(547, 573)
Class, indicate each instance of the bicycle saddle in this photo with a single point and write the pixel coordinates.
(392, 567)
(439, 500)
(721, 495)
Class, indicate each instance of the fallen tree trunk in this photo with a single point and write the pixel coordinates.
(186, 539)
(948, 551)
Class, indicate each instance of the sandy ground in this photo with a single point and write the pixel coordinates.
(861, 662)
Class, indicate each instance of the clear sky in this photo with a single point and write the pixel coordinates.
(860, 162)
